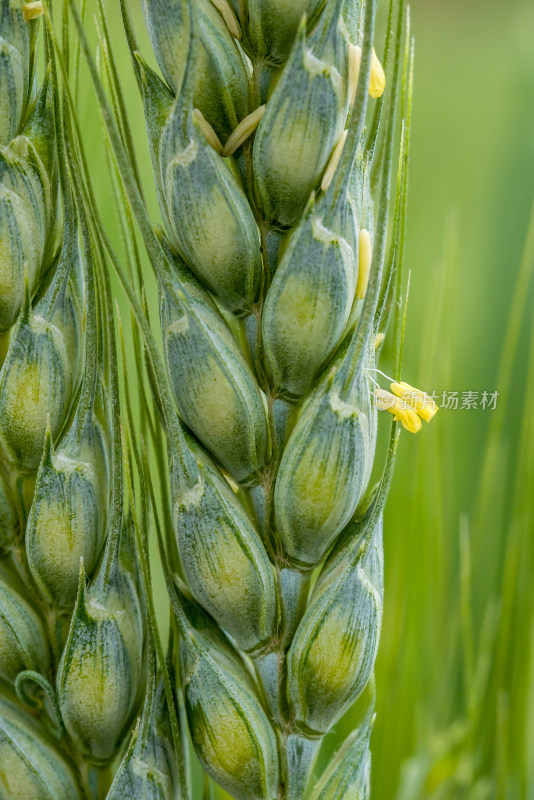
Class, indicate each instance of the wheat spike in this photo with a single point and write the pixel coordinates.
(275, 287)
(257, 509)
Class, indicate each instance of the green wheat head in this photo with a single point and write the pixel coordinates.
(274, 135)
(277, 271)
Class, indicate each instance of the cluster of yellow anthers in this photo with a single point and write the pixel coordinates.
(407, 404)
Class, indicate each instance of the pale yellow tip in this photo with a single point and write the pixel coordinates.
(379, 338)
(428, 412)
(234, 486)
(377, 82)
(245, 129)
(211, 137)
(32, 11)
(365, 258)
(355, 60)
(397, 389)
(333, 162)
(229, 17)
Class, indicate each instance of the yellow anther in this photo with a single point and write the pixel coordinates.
(334, 161)
(408, 419)
(234, 486)
(32, 10)
(377, 82)
(415, 399)
(355, 60)
(211, 137)
(245, 129)
(365, 258)
(385, 401)
(379, 338)
(229, 17)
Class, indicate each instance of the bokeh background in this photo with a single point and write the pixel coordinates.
(455, 673)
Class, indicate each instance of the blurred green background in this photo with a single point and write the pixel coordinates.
(455, 673)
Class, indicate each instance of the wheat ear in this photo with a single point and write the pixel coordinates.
(276, 288)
